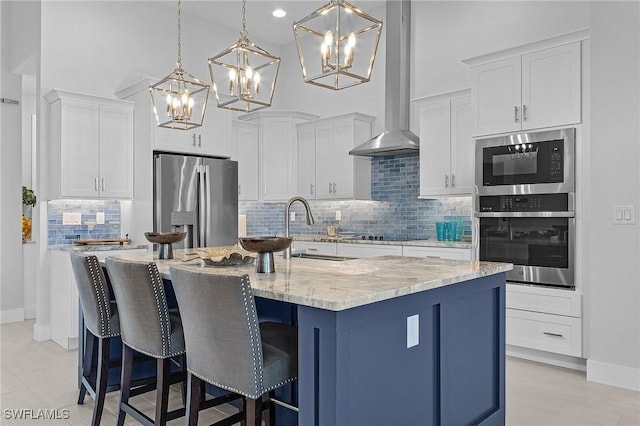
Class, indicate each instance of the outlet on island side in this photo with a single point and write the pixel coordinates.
(413, 330)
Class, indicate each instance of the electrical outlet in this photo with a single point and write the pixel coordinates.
(100, 218)
(338, 215)
(292, 216)
(413, 331)
(71, 218)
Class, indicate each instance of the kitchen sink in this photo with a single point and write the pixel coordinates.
(323, 257)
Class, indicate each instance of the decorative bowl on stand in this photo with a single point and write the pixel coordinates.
(165, 240)
(265, 246)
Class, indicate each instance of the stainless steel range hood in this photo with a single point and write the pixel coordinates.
(396, 139)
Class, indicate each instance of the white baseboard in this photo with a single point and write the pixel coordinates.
(13, 315)
(30, 313)
(613, 374)
(559, 360)
(41, 332)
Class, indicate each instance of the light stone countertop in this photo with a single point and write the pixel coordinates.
(340, 285)
(414, 243)
(85, 248)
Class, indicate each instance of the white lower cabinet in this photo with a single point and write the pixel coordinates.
(365, 250)
(545, 319)
(441, 252)
(316, 247)
(552, 333)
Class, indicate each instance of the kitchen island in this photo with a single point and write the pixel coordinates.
(389, 340)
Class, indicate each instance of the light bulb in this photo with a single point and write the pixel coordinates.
(168, 98)
(328, 38)
(256, 77)
(249, 73)
(185, 98)
(232, 74)
(351, 41)
(191, 102)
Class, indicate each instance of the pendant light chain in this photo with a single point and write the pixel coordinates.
(244, 32)
(180, 34)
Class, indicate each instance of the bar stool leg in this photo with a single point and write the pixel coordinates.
(101, 379)
(194, 395)
(162, 390)
(86, 365)
(125, 381)
(253, 411)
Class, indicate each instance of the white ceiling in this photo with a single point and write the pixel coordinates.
(261, 25)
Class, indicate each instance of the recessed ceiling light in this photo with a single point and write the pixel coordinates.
(279, 13)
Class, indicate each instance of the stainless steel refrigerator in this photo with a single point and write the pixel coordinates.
(198, 195)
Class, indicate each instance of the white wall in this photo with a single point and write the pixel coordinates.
(614, 251)
(11, 300)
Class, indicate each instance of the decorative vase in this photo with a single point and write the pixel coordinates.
(26, 228)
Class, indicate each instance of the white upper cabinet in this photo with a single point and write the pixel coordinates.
(278, 152)
(245, 151)
(446, 145)
(91, 146)
(325, 168)
(535, 86)
(213, 138)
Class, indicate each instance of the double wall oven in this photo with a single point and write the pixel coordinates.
(525, 210)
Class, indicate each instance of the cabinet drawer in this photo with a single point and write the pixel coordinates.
(444, 252)
(545, 300)
(314, 247)
(364, 250)
(551, 333)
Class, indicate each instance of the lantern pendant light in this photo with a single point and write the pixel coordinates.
(337, 45)
(244, 75)
(179, 100)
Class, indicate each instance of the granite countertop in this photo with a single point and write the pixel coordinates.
(416, 243)
(337, 286)
(98, 247)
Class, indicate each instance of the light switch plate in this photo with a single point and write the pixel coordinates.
(100, 218)
(292, 216)
(71, 218)
(624, 215)
(338, 215)
(413, 331)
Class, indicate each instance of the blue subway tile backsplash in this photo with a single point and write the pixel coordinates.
(65, 234)
(395, 211)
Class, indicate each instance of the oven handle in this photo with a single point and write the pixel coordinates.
(525, 214)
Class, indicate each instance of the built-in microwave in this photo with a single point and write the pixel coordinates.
(526, 163)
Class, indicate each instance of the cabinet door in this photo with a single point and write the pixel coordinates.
(213, 138)
(278, 156)
(496, 97)
(435, 135)
(116, 151)
(325, 155)
(551, 87)
(342, 163)
(79, 148)
(246, 154)
(307, 161)
(441, 252)
(462, 147)
(366, 250)
(174, 140)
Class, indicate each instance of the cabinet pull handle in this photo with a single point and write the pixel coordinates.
(239, 188)
(95, 184)
(194, 139)
(515, 112)
(330, 188)
(552, 334)
(312, 249)
(334, 188)
(199, 141)
(453, 180)
(103, 187)
(446, 181)
(524, 113)
(311, 189)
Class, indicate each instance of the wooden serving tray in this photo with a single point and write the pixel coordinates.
(102, 241)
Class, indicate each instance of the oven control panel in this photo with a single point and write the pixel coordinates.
(524, 203)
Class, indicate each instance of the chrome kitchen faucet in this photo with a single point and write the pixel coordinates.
(287, 253)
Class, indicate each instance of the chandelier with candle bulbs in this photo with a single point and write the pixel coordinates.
(337, 45)
(244, 75)
(179, 100)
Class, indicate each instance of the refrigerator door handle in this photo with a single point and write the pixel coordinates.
(205, 220)
(202, 205)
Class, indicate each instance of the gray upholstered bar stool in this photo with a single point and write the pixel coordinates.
(148, 327)
(102, 323)
(227, 347)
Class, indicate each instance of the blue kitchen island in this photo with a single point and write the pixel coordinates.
(388, 340)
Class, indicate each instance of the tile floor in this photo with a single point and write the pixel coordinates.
(41, 375)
